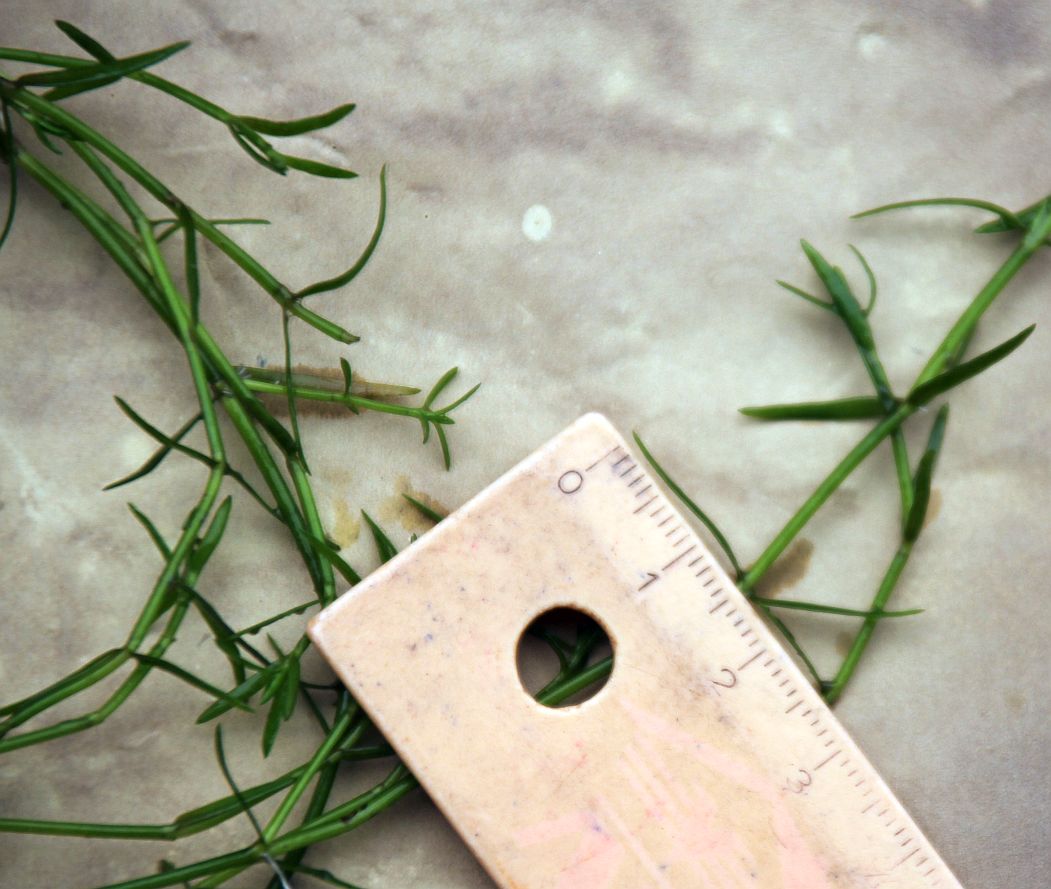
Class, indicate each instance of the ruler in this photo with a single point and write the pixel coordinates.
(706, 761)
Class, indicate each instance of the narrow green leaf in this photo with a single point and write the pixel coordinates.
(330, 554)
(220, 755)
(300, 125)
(97, 663)
(871, 276)
(436, 390)
(188, 677)
(952, 377)
(167, 446)
(924, 474)
(69, 82)
(255, 628)
(207, 816)
(720, 538)
(809, 297)
(818, 608)
(241, 693)
(861, 407)
(151, 529)
(290, 689)
(203, 551)
(86, 43)
(274, 719)
(1021, 219)
(370, 248)
(1006, 216)
(427, 511)
(386, 549)
(317, 168)
(348, 375)
(1037, 225)
(453, 405)
(444, 442)
(222, 633)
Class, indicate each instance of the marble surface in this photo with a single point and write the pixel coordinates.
(588, 205)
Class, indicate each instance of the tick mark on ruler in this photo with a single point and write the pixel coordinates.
(681, 555)
(673, 530)
(658, 510)
(626, 471)
(621, 460)
(682, 540)
(608, 453)
(665, 522)
(793, 707)
(644, 505)
(717, 607)
(827, 760)
(639, 479)
(751, 660)
(907, 857)
(695, 561)
(642, 491)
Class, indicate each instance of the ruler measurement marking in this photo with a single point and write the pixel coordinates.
(721, 602)
(644, 505)
(751, 660)
(635, 475)
(827, 760)
(681, 555)
(907, 857)
(608, 453)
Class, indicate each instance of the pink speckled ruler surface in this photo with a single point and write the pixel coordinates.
(707, 761)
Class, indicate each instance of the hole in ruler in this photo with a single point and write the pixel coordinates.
(580, 641)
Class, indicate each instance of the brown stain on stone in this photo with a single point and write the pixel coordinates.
(397, 508)
(788, 570)
(346, 527)
(1015, 702)
(844, 640)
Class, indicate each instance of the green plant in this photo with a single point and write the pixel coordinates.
(272, 679)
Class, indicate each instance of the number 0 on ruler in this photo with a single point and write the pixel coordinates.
(707, 761)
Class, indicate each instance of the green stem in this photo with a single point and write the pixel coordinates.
(861, 641)
(311, 393)
(825, 490)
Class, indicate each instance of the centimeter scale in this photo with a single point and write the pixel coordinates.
(707, 761)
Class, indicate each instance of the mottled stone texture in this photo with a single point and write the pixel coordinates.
(588, 205)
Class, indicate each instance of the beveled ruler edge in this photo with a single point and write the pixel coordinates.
(316, 625)
(784, 661)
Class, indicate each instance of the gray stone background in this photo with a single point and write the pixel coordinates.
(681, 150)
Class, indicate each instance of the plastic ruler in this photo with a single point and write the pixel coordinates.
(707, 760)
